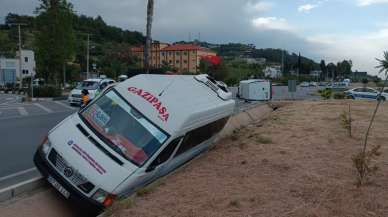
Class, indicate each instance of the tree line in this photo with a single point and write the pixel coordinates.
(59, 38)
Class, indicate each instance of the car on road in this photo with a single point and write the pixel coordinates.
(93, 86)
(135, 132)
(365, 93)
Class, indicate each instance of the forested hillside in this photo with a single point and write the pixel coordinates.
(108, 44)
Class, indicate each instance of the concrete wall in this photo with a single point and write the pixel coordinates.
(244, 118)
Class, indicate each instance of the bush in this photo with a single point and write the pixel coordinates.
(46, 91)
(339, 95)
(325, 93)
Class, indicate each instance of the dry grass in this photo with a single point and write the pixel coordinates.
(305, 170)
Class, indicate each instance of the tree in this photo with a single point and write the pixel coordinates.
(147, 49)
(344, 68)
(323, 67)
(332, 68)
(54, 40)
(363, 161)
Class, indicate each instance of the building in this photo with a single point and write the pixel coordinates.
(273, 71)
(155, 54)
(359, 76)
(181, 57)
(260, 61)
(10, 70)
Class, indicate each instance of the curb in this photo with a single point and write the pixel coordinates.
(21, 188)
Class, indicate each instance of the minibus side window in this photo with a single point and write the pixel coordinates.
(199, 135)
(165, 154)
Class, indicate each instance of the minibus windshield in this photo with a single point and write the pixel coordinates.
(123, 128)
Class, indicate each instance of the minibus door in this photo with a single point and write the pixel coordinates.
(161, 165)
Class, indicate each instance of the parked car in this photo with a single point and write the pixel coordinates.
(313, 84)
(134, 133)
(122, 78)
(305, 84)
(94, 87)
(364, 93)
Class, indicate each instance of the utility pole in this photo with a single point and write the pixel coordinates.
(282, 62)
(87, 57)
(64, 75)
(20, 51)
(148, 44)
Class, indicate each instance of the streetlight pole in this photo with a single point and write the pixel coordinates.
(87, 57)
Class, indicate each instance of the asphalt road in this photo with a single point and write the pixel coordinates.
(22, 128)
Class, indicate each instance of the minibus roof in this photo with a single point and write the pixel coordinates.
(175, 103)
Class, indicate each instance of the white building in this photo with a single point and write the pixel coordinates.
(260, 61)
(10, 70)
(273, 71)
(28, 64)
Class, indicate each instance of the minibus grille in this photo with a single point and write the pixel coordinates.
(66, 170)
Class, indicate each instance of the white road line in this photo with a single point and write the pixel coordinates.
(22, 111)
(17, 174)
(43, 107)
(64, 105)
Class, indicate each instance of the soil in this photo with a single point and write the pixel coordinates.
(295, 163)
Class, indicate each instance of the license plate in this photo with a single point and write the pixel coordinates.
(58, 186)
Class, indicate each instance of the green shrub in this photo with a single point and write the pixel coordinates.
(339, 95)
(325, 93)
(46, 91)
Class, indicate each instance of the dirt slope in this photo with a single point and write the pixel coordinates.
(296, 163)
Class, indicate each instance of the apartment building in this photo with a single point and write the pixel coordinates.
(156, 48)
(181, 57)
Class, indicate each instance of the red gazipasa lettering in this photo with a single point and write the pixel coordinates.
(156, 103)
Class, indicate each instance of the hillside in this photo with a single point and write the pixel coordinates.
(272, 56)
(109, 44)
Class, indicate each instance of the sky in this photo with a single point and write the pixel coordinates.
(332, 30)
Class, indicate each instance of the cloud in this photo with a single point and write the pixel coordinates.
(307, 8)
(363, 3)
(338, 47)
(260, 6)
(272, 23)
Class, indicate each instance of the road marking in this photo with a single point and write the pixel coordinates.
(64, 105)
(43, 107)
(17, 174)
(22, 111)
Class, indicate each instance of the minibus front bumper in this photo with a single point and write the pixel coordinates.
(77, 197)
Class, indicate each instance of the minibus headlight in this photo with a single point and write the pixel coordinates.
(103, 197)
(46, 145)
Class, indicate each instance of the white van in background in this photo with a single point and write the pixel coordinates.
(255, 90)
(132, 134)
(93, 86)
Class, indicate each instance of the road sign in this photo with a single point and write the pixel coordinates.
(292, 86)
